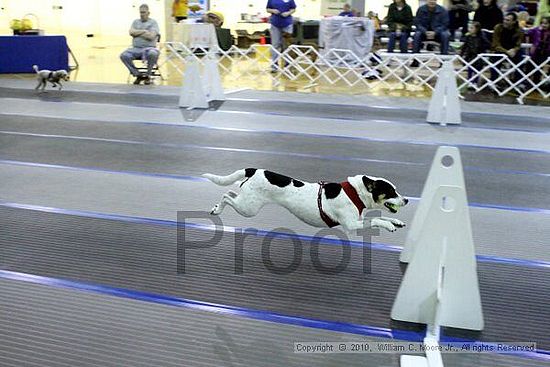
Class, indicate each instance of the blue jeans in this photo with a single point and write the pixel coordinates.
(151, 57)
(403, 41)
(277, 41)
(441, 37)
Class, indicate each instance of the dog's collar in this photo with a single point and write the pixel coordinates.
(353, 195)
(328, 221)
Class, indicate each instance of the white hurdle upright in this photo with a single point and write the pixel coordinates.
(440, 286)
(444, 107)
(212, 80)
(198, 90)
(446, 169)
(192, 94)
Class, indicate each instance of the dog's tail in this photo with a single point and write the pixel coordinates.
(35, 67)
(226, 180)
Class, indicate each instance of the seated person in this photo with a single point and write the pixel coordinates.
(214, 17)
(432, 24)
(540, 49)
(507, 40)
(400, 21)
(145, 32)
(346, 11)
(458, 17)
(488, 14)
(475, 43)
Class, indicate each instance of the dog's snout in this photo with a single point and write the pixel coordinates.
(405, 201)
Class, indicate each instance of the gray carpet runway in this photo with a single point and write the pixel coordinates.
(284, 108)
(188, 151)
(47, 325)
(142, 257)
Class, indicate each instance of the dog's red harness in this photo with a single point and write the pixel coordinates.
(352, 195)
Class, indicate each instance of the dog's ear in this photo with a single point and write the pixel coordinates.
(369, 184)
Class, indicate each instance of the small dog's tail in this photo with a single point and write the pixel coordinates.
(35, 67)
(226, 180)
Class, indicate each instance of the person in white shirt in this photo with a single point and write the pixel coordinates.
(145, 33)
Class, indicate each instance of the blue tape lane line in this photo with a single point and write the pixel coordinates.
(261, 315)
(281, 132)
(193, 146)
(201, 179)
(538, 264)
(84, 169)
(340, 118)
(209, 307)
(373, 106)
(255, 151)
(344, 119)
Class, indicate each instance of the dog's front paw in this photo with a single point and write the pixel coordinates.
(398, 223)
(390, 227)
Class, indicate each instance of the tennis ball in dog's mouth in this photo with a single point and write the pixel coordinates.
(393, 207)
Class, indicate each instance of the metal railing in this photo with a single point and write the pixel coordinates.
(494, 72)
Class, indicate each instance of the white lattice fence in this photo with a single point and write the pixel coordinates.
(343, 67)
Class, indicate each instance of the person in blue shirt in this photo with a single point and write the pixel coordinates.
(346, 11)
(432, 23)
(281, 25)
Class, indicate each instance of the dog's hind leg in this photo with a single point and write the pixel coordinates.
(245, 207)
(218, 208)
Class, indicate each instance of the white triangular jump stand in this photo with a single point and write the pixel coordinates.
(446, 169)
(444, 107)
(212, 80)
(192, 93)
(440, 286)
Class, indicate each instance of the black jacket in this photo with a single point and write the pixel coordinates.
(489, 17)
(403, 17)
(474, 45)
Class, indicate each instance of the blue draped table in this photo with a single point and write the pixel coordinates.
(19, 53)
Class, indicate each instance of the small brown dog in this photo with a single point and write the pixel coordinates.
(54, 77)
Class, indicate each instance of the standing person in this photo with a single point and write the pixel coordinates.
(346, 11)
(458, 16)
(144, 32)
(475, 43)
(540, 51)
(432, 23)
(281, 25)
(180, 10)
(488, 14)
(399, 21)
(543, 10)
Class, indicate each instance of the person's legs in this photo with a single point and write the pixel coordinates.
(391, 42)
(454, 21)
(277, 43)
(128, 58)
(404, 42)
(443, 39)
(152, 58)
(464, 27)
(417, 40)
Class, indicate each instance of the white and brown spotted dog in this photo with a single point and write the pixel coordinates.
(317, 204)
(54, 77)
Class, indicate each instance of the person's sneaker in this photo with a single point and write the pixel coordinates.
(415, 63)
(147, 80)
